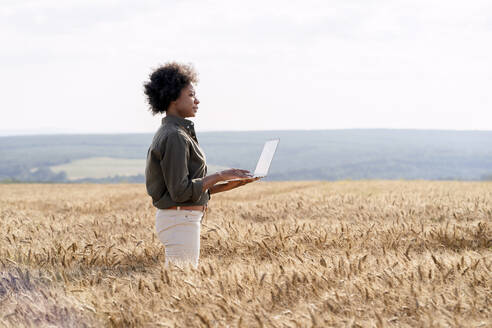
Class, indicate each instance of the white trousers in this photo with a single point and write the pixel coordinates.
(179, 231)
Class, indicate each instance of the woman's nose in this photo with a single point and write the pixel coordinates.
(197, 101)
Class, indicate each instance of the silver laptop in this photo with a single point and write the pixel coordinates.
(265, 159)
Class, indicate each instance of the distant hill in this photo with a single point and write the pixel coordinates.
(302, 155)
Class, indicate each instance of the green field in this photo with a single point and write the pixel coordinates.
(102, 167)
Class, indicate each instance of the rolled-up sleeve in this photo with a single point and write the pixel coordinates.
(174, 166)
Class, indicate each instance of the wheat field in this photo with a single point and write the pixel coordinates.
(283, 254)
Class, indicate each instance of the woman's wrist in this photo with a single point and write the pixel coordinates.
(210, 180)
(220, 187)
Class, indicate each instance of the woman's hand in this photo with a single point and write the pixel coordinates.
(231, 174)
(220, 187)
(234, 174)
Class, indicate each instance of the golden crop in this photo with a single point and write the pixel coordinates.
(289, 254)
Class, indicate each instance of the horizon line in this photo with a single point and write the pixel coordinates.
(27, 134)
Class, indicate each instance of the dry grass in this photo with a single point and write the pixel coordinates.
(297, 254)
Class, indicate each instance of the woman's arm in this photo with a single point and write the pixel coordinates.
(221, 187)
(174, 166)
(212, 179)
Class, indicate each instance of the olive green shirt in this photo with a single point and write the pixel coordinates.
(176, 165)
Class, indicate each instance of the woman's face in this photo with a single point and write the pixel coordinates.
(187, 103)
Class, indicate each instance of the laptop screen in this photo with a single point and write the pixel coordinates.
(266, 158)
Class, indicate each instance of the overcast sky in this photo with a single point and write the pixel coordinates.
(79, 66)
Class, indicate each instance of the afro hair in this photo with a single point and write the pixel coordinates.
(166, 83)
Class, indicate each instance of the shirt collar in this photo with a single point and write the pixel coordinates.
(187, 124)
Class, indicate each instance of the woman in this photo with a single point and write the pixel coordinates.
(176, 170)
